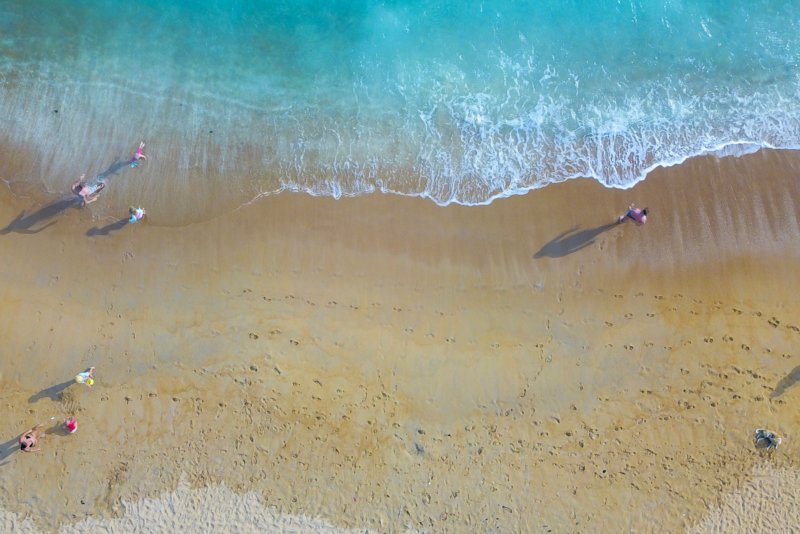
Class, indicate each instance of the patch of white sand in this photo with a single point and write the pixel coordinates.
(769, 502)
(212, 509)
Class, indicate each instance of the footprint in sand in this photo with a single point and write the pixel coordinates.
(737, 311)
(773, 322)
(253, 335)
(628, 315)
(708, 339)
(609, 323)
(294, 342)
(275, 332)
(745, 347)
(726, 337)
(617, 296)
(650, 314)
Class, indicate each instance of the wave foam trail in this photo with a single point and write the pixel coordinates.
(340, 98)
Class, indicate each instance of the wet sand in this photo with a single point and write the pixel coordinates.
(384, 363)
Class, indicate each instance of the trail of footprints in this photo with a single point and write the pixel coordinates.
(333, 304)
(772, 321)
(696, 309)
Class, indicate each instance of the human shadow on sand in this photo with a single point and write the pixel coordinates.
(30, 224)
(786, 382)
(107, 229)
(572, 240)
(53, 392)
(8, 448)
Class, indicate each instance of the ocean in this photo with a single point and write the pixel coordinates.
(458, 102)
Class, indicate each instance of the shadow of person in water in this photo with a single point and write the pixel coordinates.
(26, 224)
(786, 382)
(107, 229)
(112, 169)
(53, 392)
(572, 241)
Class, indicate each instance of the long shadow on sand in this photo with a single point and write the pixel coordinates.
(53, 392)
(572, 241)
(8, 448)
(786, 382)
(107, 229)
(26, 224)
(30, 224)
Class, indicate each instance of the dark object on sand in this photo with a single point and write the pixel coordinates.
(764, 439)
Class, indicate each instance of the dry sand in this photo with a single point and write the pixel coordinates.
(383, 363)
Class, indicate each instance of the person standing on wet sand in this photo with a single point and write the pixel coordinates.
(29, 440)
(639, 216)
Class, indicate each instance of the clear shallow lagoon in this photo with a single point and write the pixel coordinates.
(456, 101)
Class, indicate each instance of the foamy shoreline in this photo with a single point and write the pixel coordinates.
(387, 364)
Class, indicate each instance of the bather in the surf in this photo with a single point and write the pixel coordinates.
(88, 190)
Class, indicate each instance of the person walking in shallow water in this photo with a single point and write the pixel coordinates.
(639, 216)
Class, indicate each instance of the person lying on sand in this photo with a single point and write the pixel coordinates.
(29, 440)
(87, 190)
(639, 216)
(139, 154)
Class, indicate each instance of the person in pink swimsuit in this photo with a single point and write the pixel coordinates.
(139, 154)
(639, 216)
(29, 441)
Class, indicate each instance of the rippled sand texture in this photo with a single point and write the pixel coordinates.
(385, 363)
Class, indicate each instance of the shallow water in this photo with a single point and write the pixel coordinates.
(456, 101)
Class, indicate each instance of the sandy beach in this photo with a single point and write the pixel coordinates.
(383, 363)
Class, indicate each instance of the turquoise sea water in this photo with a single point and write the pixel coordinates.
(456, 101)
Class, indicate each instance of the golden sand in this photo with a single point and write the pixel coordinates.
(384, 363)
